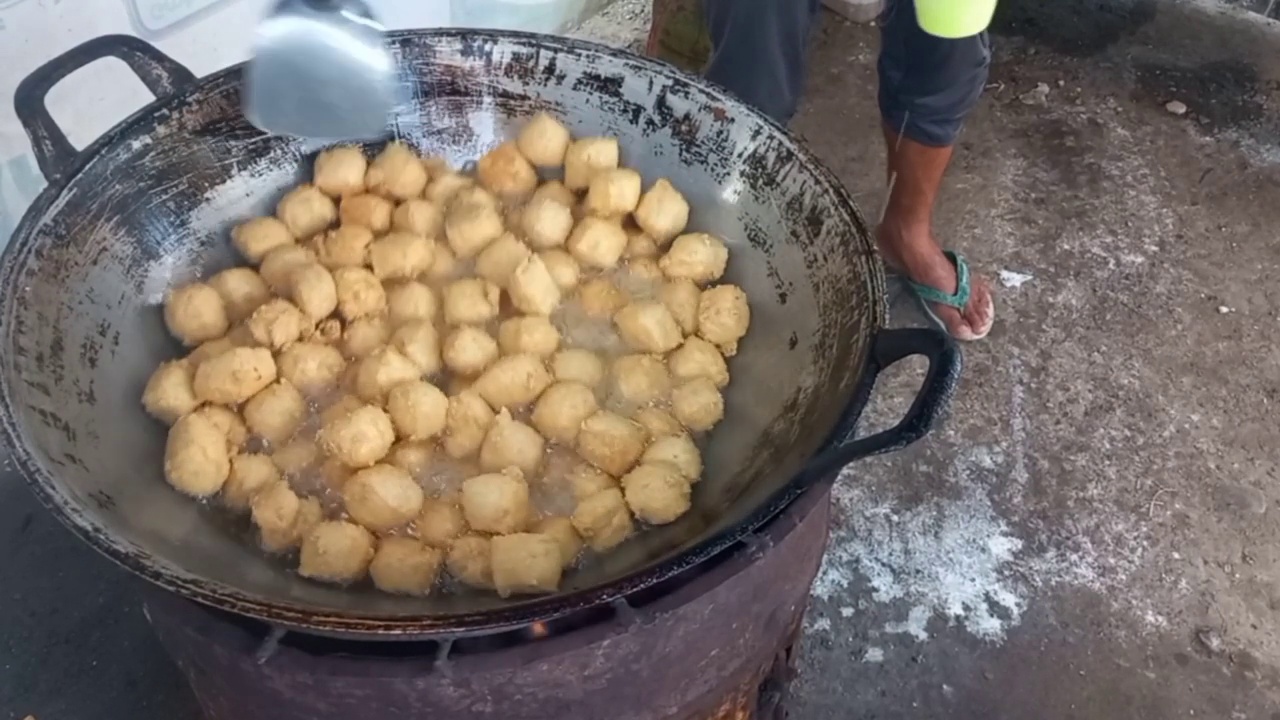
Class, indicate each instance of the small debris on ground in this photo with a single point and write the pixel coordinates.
(1011, 279)
(1039, 95)
(1176, 107)
(1223, 309)
(1210, 640)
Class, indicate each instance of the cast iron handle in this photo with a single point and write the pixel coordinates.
(888, 347)
(54, 152)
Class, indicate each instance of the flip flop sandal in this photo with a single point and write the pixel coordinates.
(930, 296)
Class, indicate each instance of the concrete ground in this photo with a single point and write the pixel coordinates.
(1091, 535)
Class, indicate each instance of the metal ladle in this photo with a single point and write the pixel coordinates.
(320, 69)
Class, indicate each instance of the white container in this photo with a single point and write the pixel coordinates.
(544, 16)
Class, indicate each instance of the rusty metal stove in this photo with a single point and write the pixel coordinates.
(715, 642)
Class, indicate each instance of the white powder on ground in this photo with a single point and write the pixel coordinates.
(820, 624)
(947, 557)
(956, 558)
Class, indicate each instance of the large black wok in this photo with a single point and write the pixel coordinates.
(149, 206)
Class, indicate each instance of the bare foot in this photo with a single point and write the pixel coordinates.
(915, 254)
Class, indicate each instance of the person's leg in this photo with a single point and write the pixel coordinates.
(759, 50)
(928, 85)
(678, 34)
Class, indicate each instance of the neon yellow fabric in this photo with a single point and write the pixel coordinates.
(954, 19)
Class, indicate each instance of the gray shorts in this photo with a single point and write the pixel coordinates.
(928, 85)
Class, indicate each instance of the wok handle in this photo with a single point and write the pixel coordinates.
(55, 154)
(888, 347)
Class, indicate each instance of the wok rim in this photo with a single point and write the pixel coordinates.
(354, 625)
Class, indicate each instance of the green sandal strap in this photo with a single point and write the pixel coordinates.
(959, 298)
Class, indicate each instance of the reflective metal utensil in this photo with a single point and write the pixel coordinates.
(320, 69)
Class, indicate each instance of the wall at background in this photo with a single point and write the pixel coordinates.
(204, 35)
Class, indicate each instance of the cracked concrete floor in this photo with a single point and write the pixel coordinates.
(1090, 535)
